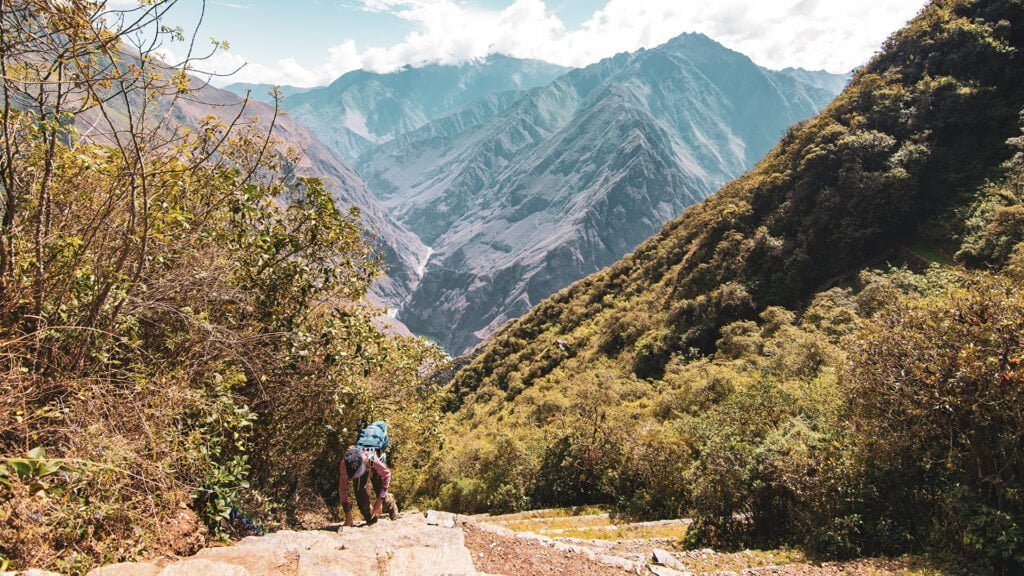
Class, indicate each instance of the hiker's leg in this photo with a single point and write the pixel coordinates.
(377, 482)
(390, 506)
(362, 496)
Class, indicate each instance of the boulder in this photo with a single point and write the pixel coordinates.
(442, 519)
(429, 561)
(328, 562)
(618, 562)
(666, 558)
(257, 560)
(319, 565)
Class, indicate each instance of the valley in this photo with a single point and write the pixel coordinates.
(529, 177)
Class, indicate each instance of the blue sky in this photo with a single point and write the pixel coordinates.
(267, 30)
(311, 42)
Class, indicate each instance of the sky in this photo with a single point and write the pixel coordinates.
(312, 42)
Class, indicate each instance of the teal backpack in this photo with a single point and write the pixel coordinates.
(374, 437)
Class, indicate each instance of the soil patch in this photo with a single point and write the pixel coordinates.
(509, 556)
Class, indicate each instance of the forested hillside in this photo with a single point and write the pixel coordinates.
(184, 339)
(826, 353)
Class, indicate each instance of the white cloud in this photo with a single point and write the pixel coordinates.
(814, 34)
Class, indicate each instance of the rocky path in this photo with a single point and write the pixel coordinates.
(410, 546)
(441, 544)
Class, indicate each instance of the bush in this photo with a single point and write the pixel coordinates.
(465, 496)
(936, 384)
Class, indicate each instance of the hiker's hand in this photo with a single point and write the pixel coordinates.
(348, 520)
(377, 506)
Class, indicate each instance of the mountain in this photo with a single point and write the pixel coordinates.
(362, 109)
(519, 194)
(825, 354)
(261, 92)
(819, 78)
(897, 158)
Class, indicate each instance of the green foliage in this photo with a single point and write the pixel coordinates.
(32, 470)
(995, 228)
(898, 158)
(935, 386)
(182, 320)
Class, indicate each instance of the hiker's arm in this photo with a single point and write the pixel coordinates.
(343, 495)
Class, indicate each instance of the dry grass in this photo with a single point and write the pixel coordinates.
(629, 532)
(587, 523)
(560, 524)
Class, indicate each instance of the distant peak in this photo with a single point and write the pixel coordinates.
(692, 38)
(692, 43)
(699, 47)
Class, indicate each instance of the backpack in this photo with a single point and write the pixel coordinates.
(374, 437)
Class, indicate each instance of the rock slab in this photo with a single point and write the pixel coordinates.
(127, 569)
(200, 567)
(442, 519)
(658, 570)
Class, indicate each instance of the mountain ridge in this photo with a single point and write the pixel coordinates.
(402, 250)
(482, 197)
(261, 92)
(362, 109)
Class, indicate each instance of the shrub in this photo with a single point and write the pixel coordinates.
(936, 384)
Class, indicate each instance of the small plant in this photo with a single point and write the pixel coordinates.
(33, 470)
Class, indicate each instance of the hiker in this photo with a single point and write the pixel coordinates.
(366, 463)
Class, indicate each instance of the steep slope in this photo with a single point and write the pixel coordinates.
(562, 182)
(402, 251)
(897, 159)
(805, 358)
(362, 109)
